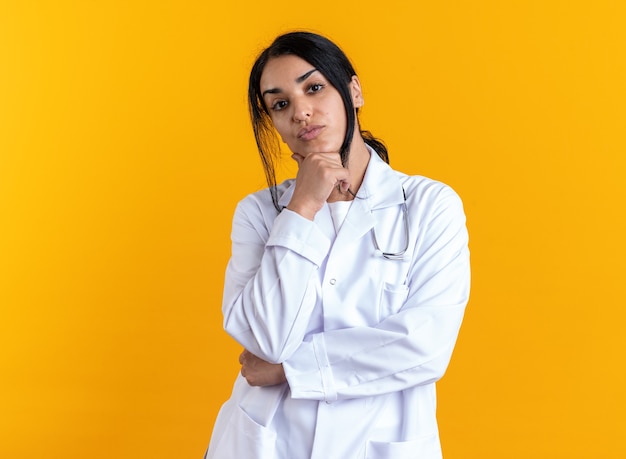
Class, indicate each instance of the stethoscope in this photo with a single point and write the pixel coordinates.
(396, 255)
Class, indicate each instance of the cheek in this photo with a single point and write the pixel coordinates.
(339, 114)
(280, 128)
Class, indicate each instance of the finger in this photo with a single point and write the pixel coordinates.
(344, 186)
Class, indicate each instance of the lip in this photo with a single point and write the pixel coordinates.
(310, 132)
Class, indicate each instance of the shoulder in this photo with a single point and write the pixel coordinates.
(255, 214)
(425, 189)
(428, 199)
(260, 203)
(417, 188)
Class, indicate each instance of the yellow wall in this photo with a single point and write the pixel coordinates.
(125, 144)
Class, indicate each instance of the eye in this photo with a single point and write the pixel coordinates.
(316, 87)
(279, 105)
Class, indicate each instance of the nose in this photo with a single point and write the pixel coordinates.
(301, 110)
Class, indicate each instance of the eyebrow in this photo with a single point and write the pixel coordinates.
(300, 79)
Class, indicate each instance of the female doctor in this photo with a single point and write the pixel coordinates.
(346, 286)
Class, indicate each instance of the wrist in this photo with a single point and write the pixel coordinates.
(305, 211)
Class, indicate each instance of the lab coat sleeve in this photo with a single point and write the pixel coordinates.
(264, 312)
(409, 348)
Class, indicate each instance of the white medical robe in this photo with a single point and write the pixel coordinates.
(362, 338)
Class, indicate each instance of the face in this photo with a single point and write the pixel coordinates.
(306, 110)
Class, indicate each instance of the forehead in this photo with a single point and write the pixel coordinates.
(283, 70)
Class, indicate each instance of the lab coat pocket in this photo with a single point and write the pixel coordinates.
(392, 298)
(423, 448)
(243, 437)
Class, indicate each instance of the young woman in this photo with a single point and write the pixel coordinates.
(346, 286)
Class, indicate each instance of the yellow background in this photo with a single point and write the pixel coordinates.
(125, 145)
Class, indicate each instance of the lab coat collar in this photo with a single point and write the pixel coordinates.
(381, 186)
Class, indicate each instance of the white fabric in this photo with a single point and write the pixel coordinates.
(338, 212)
(362, 339)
